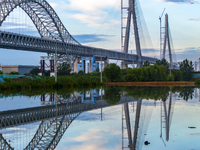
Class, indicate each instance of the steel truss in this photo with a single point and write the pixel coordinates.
(29, 43)
(51, 131)
(43, 16)
(4, 144)
(131, 12)
(29, 115)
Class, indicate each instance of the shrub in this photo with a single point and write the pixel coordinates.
(14, 73)
(170, 77)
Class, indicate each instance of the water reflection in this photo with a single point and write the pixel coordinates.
(58, 112)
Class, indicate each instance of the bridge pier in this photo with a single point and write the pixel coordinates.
(106, 61)
(80, 64)
(124, 65)
(78, 59)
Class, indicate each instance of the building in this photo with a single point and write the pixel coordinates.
(21, 69)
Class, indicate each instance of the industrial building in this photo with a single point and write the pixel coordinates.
(21, 69)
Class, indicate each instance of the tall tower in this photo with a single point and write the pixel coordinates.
(125, 37)
(167, 41)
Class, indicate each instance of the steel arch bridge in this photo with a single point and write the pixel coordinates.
(53, 34)
(45, 19)
(52, 128)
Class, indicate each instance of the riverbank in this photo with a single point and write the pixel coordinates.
(174, 83)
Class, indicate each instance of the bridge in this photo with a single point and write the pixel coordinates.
(28, 43)
(55, 37)
(54, 121)
(23, 116)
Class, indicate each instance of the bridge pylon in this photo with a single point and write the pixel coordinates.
(165, 41)
(125, 38)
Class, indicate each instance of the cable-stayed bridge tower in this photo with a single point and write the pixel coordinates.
(165, 42)
(125, 37)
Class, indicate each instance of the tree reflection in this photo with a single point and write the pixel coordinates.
(146, 92)
(112, 94)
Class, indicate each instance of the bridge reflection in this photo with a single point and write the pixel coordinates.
(55, 119)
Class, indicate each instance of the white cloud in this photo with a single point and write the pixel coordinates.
(89, 12)
(90, 6)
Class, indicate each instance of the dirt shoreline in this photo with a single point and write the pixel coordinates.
(178, 83)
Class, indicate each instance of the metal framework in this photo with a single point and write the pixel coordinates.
(43, 16)
(167, 41)
(24, 116)
(51, 131)
(29, 43)
(4, 144)
(125, 39)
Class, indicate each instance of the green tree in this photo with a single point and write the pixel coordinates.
(34, 71)
(187, 69)
(14, 73)
(1, 72)
(163, 62)
(163, 72)
(177, 74)
(112, 72)
(64, 69)
(80, 72)
(146, 63)
(170, 77)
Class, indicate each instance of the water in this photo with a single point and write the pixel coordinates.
(168, 118)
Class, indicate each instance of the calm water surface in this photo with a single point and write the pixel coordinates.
(168, 118)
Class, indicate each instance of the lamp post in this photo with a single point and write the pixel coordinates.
(56, 62)
(101, 65)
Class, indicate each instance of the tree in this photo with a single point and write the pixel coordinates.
(177, 74)
(146, 63)
(14, 73)
(187, 69)
(163, 62)
(64, 69)
(34, 71)
(1, 72)
(112, 72)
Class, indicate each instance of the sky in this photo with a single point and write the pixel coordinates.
(98, 24)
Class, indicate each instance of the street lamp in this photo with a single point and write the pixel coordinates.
(55, 63)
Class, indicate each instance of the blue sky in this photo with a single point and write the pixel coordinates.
(97, 23)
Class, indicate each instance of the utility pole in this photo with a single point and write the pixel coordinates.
(56, 62)
(101, 65)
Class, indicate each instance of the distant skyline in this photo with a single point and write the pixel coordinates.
(98, 24)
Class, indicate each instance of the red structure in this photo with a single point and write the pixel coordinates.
(42, 63)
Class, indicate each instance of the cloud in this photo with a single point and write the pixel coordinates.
(191, 53)
(89, 12)
(179, 1)
(89, 38)
(97, 139)
(194, 19)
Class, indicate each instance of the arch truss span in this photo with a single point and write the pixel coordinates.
(4, 144)
(43, 17)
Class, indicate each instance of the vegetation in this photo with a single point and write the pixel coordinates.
(64, 69)
(34, 71)
(145, 74)
(112, 95)
(112, 73)
(150, 73)
(155, 93)
(187, 69)
(1, 72)
(146, 63)
(14, 73)
(46, 83)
